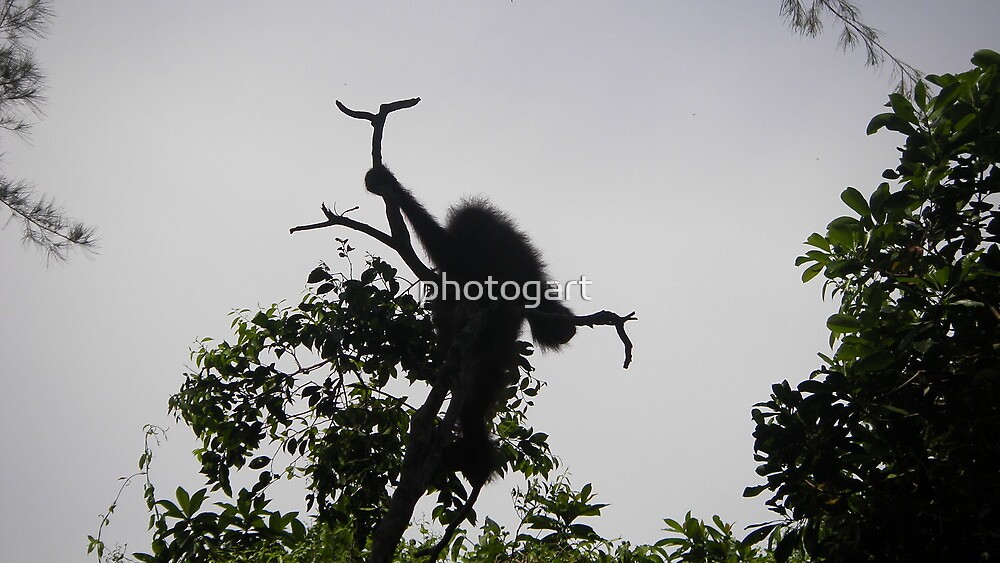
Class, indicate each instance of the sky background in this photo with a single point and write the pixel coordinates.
(677, 154)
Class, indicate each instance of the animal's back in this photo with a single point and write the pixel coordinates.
(490, 244)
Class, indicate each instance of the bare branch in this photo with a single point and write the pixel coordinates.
(600, 318)
(396, 241)
(378, 121)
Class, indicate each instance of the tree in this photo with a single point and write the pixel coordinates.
(21, 83)
(889, 451)
(314, 391)
(318, 391)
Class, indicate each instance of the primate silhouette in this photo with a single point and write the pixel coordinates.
(479, 243)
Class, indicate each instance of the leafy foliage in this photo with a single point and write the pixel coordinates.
(312, 391)
(694, 541)
(550, 530)
(21, 84)
(889, 452)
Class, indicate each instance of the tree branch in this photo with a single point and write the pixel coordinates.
(378, 121)
(809, 21)
(396, 241)
(425, 442)
(600, 318)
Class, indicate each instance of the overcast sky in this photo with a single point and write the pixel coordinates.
(677, 154)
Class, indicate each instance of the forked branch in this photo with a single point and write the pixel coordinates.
(378, 121)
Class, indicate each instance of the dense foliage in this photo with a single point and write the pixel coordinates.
(314, 392)
(889, 452)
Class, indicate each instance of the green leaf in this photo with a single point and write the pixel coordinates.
(920, 94)
(900, 200)
(873, 362)
(843, 324)
(170, 509)
(368, 276)
(319, 274)
(811, 272)
(853, 198)
(965, 122)
(196, 501)
(183, 499)
(673, 525)
(844, 224)
(844, 232)
(813, 386)
(785, 547)
(260, 319)
(759, 534)
(259, 462)
(819, 241)
(985, 58)
(949, 94)
(878, 197)
(881, 120)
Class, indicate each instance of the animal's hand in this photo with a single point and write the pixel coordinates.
(380, 181)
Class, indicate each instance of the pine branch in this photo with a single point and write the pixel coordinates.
(808, 21)
(45, 224)
(22, 86)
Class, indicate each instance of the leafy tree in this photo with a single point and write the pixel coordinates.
(315, 391)
(889, 451)
(21, 83)
(318, 391)
(550, 530)
(308, 392)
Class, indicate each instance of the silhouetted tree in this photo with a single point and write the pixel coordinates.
(888, 452)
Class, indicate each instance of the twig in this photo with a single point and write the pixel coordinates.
(600, 318)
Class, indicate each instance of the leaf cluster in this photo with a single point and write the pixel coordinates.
(312, 392)
(551, 528)
(306, 392)
(888, 452)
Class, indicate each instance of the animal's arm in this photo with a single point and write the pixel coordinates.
(434, 237)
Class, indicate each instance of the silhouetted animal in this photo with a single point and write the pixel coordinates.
(479, 243)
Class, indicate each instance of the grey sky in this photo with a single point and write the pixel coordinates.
(675, 153)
